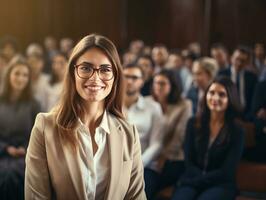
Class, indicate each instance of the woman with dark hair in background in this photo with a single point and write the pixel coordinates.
(17, 114)
(213, 146)
(169, 164)
(59, 65)
(84, 149)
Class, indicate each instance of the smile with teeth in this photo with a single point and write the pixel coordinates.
(94, 87)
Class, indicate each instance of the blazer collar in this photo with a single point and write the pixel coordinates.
(115, 145)
(73, 159)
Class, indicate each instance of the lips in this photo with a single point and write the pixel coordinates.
(94, 88)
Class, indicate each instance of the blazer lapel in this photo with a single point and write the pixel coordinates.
(72, 160)
(115, 145)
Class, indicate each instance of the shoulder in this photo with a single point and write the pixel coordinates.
(45, 119)
(225, 72)
(123, 129)
(237, 131)
(250, 75)
(149, 100)
(192, 92)
(119, 122)
(185, 103)
(152, 105)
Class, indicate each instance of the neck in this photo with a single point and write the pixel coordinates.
(35, 76)
(131, 99)
(15, 96)
(163, 103)
(93, 115)
(237, 69)
(217, 118)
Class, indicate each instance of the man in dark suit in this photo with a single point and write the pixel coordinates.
(244, 80)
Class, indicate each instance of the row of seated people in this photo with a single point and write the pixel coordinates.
(161, 120)
(209, 172)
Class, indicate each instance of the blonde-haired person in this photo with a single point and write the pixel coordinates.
(18, 110)
(84, 149)
(204, 71)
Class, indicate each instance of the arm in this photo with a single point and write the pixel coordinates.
(156, 134)
(227, 170)
(182, 124)
(136, 185)
(191, 168)
(37, 181)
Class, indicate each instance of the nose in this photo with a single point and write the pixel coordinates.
(95, 76)
(216, 96)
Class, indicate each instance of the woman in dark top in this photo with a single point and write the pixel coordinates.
(17, 114)
(213, 146)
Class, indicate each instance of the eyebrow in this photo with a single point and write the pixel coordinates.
(102, 65)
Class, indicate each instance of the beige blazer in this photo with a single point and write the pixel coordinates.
(53, 170)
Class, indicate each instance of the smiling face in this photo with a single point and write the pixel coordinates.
(93, 89)
(217, 98)
(161, 87)
(19, 78)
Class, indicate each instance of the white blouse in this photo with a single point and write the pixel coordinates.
(95, 169)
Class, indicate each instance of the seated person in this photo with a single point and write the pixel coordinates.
(167, 167)
(258, 152)
(213, 146)
(17, 114)
(204, 70)
(143, 112)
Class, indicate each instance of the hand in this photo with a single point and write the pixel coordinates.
(11, 150)
(21, 151)
(16, 152)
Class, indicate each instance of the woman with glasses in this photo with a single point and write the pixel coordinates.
(84, 149)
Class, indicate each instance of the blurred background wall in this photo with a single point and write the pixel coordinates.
(173, 22)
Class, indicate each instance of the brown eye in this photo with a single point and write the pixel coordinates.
(222, 94)
(211, 92)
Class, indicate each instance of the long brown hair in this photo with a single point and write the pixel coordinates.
(7, 90)
(70, 107)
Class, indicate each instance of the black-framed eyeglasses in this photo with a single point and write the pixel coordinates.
(86, 71)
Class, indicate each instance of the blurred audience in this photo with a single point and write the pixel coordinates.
(213, 146)
(244, 79)
(39, 80)
(143, 112)
(168, 166)
(17, 114)
(220, 54)
(8, 47)
(147, 65)
(59, 64)
(159, 55)
(204, 70)
(66, 46)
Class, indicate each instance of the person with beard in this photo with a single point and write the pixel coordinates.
(143, 112)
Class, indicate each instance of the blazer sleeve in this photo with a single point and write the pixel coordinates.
(37, 180)
(136, 185)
